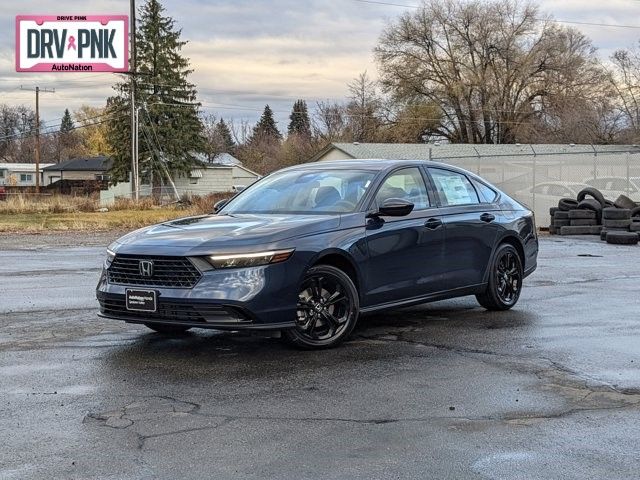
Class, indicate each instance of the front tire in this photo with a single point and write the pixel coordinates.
(328, 307)
(166, 329)
(505, 280)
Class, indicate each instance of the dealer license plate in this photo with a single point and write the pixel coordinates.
(141, 300)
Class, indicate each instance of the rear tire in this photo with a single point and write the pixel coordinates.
(328, 308)
(166, 329)
(505, 280)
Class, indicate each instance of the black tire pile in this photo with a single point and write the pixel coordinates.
(591, 214)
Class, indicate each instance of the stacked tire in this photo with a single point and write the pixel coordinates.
(591, 214)
(581, 222)
(580, 216)
(618, 226)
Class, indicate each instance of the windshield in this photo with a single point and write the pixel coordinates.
(303, 192)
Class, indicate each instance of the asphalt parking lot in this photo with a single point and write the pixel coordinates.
(550, 389)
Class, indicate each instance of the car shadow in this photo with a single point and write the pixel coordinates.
(240, 354)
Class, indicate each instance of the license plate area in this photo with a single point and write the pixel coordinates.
(141, 300)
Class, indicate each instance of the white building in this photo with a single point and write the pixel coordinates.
(20, 174)
(225, 175)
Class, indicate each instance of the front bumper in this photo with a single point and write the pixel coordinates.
(258, 298)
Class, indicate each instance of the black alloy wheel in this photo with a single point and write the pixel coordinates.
(505, 280)
(327, 310)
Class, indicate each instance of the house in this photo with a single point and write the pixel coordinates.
(215, 178)
(86, 168)
(351, 151)
(21, 174)
(225, 174)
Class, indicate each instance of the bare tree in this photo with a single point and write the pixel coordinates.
(17, 131)
(411, 123)
(330, 122)
(492, 67)
(625, 79)
(362, 110)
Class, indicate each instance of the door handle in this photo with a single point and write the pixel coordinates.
(433, 223)
(487, 217)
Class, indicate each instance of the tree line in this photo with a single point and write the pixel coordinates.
(496, 71)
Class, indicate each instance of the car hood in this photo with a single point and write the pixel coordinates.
(225, 232)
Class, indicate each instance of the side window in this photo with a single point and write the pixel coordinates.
(559, 191)
(486, 194)
(406, 184)
(453, 188)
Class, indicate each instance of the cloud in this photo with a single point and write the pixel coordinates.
(247, 53)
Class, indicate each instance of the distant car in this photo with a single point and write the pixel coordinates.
(557, 189)
(613, 187)
(306, 249)
(548, 193)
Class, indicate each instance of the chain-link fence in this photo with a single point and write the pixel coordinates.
(540, 175)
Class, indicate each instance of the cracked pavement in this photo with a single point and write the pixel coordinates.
(550, 389)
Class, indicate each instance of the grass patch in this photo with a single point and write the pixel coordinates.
(23, 214)
(112, 220)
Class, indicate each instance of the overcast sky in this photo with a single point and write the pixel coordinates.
(247, 53)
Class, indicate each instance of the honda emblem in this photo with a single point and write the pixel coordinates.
(146, 268)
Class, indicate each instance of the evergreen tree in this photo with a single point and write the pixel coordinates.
(300, 123)
(171, 133)
(224, 138)
(67, 139)
(66, 125)
(265, 131)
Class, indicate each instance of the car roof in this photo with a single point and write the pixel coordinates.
(608, 178)
(562, 183)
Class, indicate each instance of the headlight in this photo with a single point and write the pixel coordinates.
(249, 259)
(110, 256)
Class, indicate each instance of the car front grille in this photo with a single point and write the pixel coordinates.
(171, 272)
(174, 311)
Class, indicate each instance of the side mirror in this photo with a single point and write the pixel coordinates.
(395, 207)
(219, 205)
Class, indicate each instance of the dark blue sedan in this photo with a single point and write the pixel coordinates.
(306, 249)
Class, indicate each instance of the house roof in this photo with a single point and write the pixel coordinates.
(424, 151)
(88, 164)
(371, 164)
(226, 159)
(23, 167)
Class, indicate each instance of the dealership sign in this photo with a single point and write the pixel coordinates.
(72, 43)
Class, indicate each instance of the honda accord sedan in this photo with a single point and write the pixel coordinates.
(307, 249)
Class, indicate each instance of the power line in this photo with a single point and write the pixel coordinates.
(345, 115)
(21, 135)
(573, 22)
(51, 132)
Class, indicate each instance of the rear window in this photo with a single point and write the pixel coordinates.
(486, 193)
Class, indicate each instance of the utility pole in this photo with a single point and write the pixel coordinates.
(135, 190)
(137, 137)
(38, 90)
